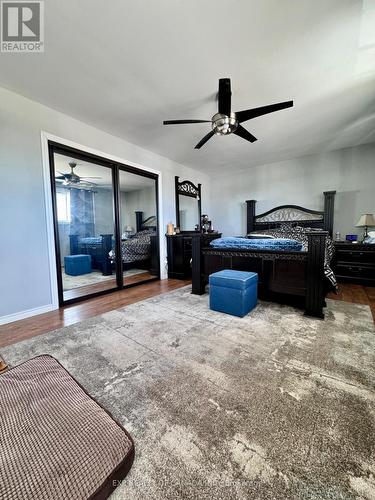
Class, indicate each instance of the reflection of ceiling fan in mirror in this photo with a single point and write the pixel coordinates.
(73, 180)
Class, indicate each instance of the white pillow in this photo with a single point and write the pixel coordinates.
(260, 236)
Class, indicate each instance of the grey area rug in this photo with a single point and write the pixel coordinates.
(71, 282)
(271, 406)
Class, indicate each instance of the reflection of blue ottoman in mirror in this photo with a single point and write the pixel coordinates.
(233, 292)
(77, 264)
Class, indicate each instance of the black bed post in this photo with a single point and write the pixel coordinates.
(198, 286)
(73, 244)
(106, 248)
(329, 207)
(315, 274)
(176, 183)
(138, 221)
(200, 205)
(250, 214)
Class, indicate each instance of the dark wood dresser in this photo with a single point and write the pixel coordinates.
(179, 250)
(354, 263)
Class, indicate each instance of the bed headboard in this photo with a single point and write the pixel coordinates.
(149, 223)
(301, 216)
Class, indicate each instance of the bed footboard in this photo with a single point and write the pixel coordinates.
(299, 274)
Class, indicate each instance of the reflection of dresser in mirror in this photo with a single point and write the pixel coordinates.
(188, 216)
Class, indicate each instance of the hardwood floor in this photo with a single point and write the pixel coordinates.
(30, 327)
(356, 294)
(68, 315)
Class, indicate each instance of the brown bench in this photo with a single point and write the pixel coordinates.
(56, 441)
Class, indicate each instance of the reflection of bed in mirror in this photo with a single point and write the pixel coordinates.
(139, 250)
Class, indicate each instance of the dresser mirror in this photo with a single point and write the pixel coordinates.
(188, 205)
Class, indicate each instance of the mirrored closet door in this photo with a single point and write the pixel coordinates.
(106, 224)
(139, 227)
(84, 194)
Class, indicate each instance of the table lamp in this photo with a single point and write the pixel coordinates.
(128, 231)
(366, 220)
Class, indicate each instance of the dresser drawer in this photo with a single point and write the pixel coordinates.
(351, 255)
(355, 270)
(188, 243)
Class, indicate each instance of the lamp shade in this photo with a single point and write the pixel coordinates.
(366, 220)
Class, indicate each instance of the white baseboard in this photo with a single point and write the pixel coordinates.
(25, 314)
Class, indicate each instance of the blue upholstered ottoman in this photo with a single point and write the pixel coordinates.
(77, 264)
(233, 292)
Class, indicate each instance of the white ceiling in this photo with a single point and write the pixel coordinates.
(124, 66)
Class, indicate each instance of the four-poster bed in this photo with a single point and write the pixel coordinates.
(285, 276)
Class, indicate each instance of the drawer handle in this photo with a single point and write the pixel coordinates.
(355, 270)
(356, 253)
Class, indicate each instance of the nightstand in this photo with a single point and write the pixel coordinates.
(179, 250)
(354, 263)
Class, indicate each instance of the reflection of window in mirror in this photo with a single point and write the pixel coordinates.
(63, 206)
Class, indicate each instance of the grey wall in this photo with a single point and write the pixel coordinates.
(24, 258)
(301, 181)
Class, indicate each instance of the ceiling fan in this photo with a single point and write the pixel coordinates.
(225, 121)
(72, 179)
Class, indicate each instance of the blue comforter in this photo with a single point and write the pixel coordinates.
(257, 244)
(91, 240)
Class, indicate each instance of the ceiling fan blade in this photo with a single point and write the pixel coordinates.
(177, 122)
(245, 134)
(89, 177)
(60, 177)
(224, 96)
(248, 114)
(204, 140)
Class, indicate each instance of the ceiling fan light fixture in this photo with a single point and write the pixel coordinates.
(226, 122)
(223, 124)
(72, 179)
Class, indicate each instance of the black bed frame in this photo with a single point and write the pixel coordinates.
(99, 252)
(152, 264)
(286, 277)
